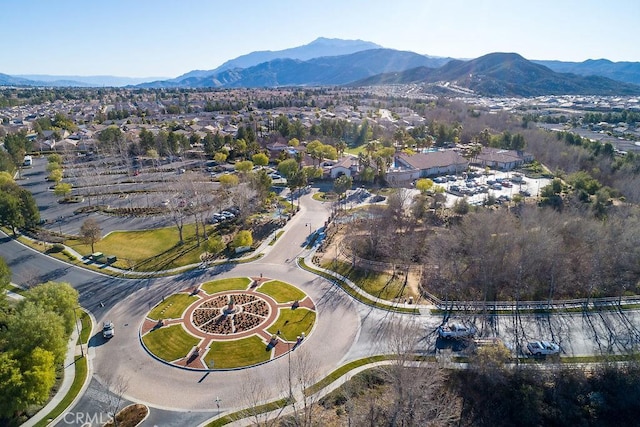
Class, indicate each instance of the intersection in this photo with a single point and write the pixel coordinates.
(345, 329)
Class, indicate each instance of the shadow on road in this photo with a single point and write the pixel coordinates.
(98, 340)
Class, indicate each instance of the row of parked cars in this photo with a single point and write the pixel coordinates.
(225, 215)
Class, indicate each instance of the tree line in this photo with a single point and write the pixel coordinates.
(525, 253)
(34, 333)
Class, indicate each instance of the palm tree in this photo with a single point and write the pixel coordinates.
(371, 147)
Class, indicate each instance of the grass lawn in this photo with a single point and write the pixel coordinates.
(353, 293)
(341, 371)
(377, 284)
(170, 343)
(356, 150)
(147, 250)
(234, 284)
(293, 322)
(86, 327)
(76, 386)
(15, 289)
(325, 197)
(281, 291)
(234, 354)
(276, 237)
(172, 307)
(267, 407)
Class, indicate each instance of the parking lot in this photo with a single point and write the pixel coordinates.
(477, 187)
(98, 182)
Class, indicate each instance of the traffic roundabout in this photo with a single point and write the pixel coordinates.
(228, 324)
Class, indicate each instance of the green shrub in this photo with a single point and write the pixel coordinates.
(57, 248)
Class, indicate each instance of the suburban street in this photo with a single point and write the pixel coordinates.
(345, 330)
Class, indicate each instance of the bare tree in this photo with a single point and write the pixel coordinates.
(418, 393)
(304, 372)
(178, 208)
(90, 232)
(255, 393)
(117, 386)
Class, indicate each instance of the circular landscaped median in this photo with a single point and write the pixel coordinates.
(228, 323)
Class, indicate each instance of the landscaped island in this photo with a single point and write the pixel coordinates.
(228, 324)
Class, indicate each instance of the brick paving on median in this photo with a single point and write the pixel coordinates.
(195, 360)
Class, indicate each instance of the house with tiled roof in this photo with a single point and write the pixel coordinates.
(497, 158)
(348, 165)
(407, 167)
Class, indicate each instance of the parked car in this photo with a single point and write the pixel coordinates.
(456, 331)
(217, 217)
(543, 348)
(108, 330)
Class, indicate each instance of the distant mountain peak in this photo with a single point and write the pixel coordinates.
(340, 42)
(598, 61)
(322, 46)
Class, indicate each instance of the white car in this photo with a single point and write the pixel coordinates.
(456, 331)
(108, 330)
(543, 348)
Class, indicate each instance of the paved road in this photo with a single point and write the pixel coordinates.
(345, 330)
(334, 333)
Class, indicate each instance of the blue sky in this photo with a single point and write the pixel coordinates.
(141, 38)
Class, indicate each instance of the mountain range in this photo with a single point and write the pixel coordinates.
(332, 62)
(319, 47)
(325, 70)
(505, 74)
(45, 80)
